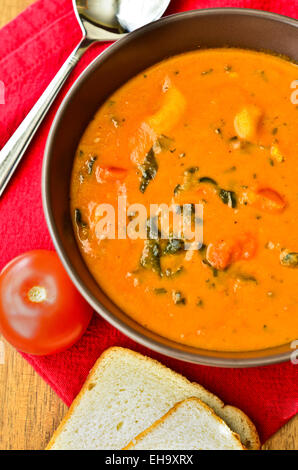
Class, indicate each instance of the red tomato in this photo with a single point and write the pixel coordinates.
(223, 253)
(41, 311)
(248, 246)
(110, 173)
(219, 254)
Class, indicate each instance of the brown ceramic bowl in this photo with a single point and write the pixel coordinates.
(172, 35)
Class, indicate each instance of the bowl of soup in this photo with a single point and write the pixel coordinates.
(195, 112)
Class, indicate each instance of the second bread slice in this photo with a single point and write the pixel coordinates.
(189, 425)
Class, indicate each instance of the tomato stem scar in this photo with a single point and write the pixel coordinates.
(37, 294)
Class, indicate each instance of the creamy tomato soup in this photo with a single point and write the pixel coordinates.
(217, 128)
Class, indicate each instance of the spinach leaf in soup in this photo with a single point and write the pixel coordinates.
(82, 226)
(207, 179)
(148, 169)
(150, 258)
(228, 198)
(173, 246)
(79, 219)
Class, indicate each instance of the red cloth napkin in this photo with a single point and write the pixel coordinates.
(32, 48)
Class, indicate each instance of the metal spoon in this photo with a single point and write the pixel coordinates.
(100, 20)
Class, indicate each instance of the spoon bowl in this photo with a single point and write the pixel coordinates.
(111, 19)
(119, 15)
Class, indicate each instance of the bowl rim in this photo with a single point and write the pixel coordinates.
(127, 330)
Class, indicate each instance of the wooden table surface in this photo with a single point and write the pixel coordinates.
(29, 409)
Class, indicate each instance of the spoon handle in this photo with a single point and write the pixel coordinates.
(14, 149)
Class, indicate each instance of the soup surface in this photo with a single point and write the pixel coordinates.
(217, 128)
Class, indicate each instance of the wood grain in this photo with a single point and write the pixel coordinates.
(29, 409)
(11, 8)
(286, 438)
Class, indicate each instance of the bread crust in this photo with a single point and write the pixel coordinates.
(159, 421)
(253, 443)
(78, 397)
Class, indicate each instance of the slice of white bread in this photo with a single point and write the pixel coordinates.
(189, 425)
(124, 394)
